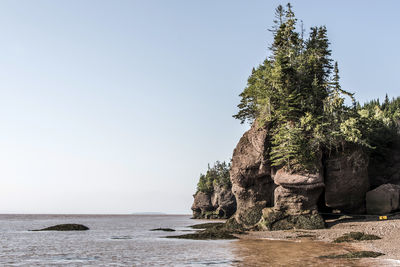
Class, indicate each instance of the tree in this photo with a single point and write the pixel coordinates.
(295, 92)
(217, 175)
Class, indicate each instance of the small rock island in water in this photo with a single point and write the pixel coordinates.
(65, 227)
(312, 150)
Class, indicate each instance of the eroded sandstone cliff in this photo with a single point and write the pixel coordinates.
(218, 204)
(275, 199)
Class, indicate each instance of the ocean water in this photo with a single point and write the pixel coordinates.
(125, 240)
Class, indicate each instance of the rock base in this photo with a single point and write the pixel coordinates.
(280, 220)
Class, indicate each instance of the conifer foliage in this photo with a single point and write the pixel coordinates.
(217, 175)
(296, 92)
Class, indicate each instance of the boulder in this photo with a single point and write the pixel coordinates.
(383, 200)
(250, 175)
(346, 180)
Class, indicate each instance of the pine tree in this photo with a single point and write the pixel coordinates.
(296, 94)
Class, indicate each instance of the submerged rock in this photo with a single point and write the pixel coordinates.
(383, 200)
(65, 227)
(163, 229)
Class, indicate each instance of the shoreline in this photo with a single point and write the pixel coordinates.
(387, 230)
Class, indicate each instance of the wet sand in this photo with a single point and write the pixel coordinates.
(314, 243)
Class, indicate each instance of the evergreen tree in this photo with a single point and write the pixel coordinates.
(217, 175)
(295, 92)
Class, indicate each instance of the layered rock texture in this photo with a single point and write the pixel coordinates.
(273, 199)
(250, 175)
(218, 204)
(295, 202)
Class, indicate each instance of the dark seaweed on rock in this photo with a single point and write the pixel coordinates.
(213, 231)
(354, 255)
(206, 225)
(206, 235)
(355, 236)
(65, 227)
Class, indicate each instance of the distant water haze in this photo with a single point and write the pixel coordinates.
(116, 107)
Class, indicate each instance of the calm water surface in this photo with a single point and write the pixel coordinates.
(125, 240)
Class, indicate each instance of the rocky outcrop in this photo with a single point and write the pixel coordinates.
(275, 219)
(346, 181)
(250, 175)
(218, 204)
(385, 168)
(270, 199)
(295, 204)
(297, 192)
(383, 200)
(65, 227)
(201, 205)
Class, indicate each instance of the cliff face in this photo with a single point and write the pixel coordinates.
(250, 175)
(275, 199)
(346, 181)
(219, 204)
(266, 198)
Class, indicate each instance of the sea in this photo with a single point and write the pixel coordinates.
(126, 240)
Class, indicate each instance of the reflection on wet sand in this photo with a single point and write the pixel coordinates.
(262, 252)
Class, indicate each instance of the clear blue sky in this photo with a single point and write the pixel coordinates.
(117, 106)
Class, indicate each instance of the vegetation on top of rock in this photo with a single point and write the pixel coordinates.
(296, 93)
(354, 255)
(65, 227)
(217, 175)
(355, 236)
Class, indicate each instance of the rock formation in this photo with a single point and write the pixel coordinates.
(65, 227)
(295, 204)
(250, 175)
(386, 169)
(218, 204)
(383, 200)
(346, 180)
(275, 199)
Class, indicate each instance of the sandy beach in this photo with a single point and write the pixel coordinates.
(388, 230)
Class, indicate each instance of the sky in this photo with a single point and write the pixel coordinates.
(116, 107)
